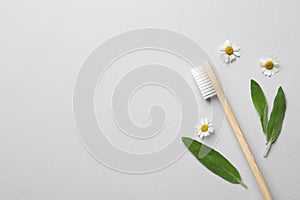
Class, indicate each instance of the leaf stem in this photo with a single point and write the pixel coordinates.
(268, 147)
(243, 184)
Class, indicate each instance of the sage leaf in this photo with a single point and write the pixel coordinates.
(260, 104)
(214, 161)
(276, 119)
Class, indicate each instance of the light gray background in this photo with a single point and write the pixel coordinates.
(42, 47)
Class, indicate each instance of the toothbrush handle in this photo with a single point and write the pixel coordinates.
(238, 133)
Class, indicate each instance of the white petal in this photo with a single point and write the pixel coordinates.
(206, 121)
(222, 48)
(275, 69)
(226, 58)
(269, 73)
(236, 47)
(273, 58)
(227, 43)
(201, 136)
(238, 54)
(275, 61)
(223, 53)
(272, 72)
(206, 133)
(232, 57)
(202, 122)
(262, 62)
(266, 72)
(263, 69)
(211, 129)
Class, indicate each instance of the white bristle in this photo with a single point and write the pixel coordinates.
(204, 84)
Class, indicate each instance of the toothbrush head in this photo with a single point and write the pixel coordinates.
(203, 82)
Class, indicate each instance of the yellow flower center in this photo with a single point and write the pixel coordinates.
(229, 50)
(269, 65)
(204, 127)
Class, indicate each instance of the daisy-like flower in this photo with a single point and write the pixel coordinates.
(269, 65)
(204, 128)
(230, 51)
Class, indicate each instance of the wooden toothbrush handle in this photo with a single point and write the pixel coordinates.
(238, 133)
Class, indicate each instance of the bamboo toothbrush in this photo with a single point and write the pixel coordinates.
(209, 87)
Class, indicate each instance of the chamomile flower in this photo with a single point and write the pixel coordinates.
(269, 65)
(204, 128)
(230, 51)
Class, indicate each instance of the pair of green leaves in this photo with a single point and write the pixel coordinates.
(216, 162)
(213, 161)
(271, 128)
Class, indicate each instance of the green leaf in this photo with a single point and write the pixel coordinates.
(214, 161)
(276, 117)
(260, 104)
